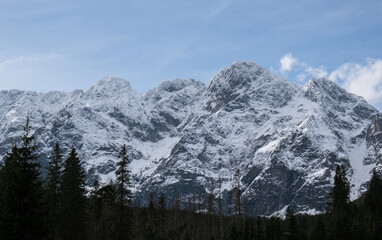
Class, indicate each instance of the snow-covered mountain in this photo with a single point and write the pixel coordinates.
(285, 139)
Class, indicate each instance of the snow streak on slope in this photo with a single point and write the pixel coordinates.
(361, 172)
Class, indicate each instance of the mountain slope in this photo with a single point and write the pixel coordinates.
(285, 139)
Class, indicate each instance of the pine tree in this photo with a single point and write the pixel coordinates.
(73, 198)
(373, 197)
(339, 196)
(211, 199)
(248, 229)
(189, 204)
(53, 186)
(373, 201)
(273, 229)
(109, 217)
(21, 214)
(176, 205)
(95, 207)
(152, 229)
(220, 207)
(124, 197)
(338, 206)
(200, 203)
(162, 202)
(319, 231)
(9, 198)
(259, 233)
(234, 234)
(236, 194)
(291, 232)
(162, 216)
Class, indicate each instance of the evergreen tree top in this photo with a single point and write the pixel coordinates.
(339, 197)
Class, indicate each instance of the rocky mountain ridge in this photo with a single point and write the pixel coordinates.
(285, 139)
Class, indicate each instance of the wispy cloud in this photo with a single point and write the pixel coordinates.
(319, 72)
(28, 59)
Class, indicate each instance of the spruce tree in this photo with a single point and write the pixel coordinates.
(236, 194)
(234, 233)
(373, 201)
(109, 212)
(259, 233)
(319, 231)
(338, 206)
(248, 233)
(373, 196)
(21, 214)
(162, 216)
(124, 197)
(211, 199)
(162, 202)
(151, 224)
(53, 186)
(73, 198)
(9, 174)
(291, 231)
(94, 211)
(339, 196)
(273, 229)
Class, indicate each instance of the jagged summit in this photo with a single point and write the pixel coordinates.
(323, 89)
(108, 80)
(241, 73)
(110, 86)
(285, 139)
(243, 79)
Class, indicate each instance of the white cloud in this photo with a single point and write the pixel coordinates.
(319, 72)
(287, 62)
(363, 80)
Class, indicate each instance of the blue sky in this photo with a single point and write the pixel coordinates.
(65, 45)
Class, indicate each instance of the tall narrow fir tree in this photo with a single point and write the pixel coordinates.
(338, 206)
(53, 187)
(21, 214)
(123, 184)
(73, 199)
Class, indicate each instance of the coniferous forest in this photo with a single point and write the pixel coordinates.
(59, 205)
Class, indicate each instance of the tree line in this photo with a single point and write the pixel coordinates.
(60, 206)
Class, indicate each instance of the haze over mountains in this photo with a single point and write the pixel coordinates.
(286, 139)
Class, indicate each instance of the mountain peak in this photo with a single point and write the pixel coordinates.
(239, 74)
(245, 78)
(111, 81)
(323, 89)
(245, 64)
(109, 86)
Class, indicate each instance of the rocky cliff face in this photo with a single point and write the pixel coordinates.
(285, 139)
